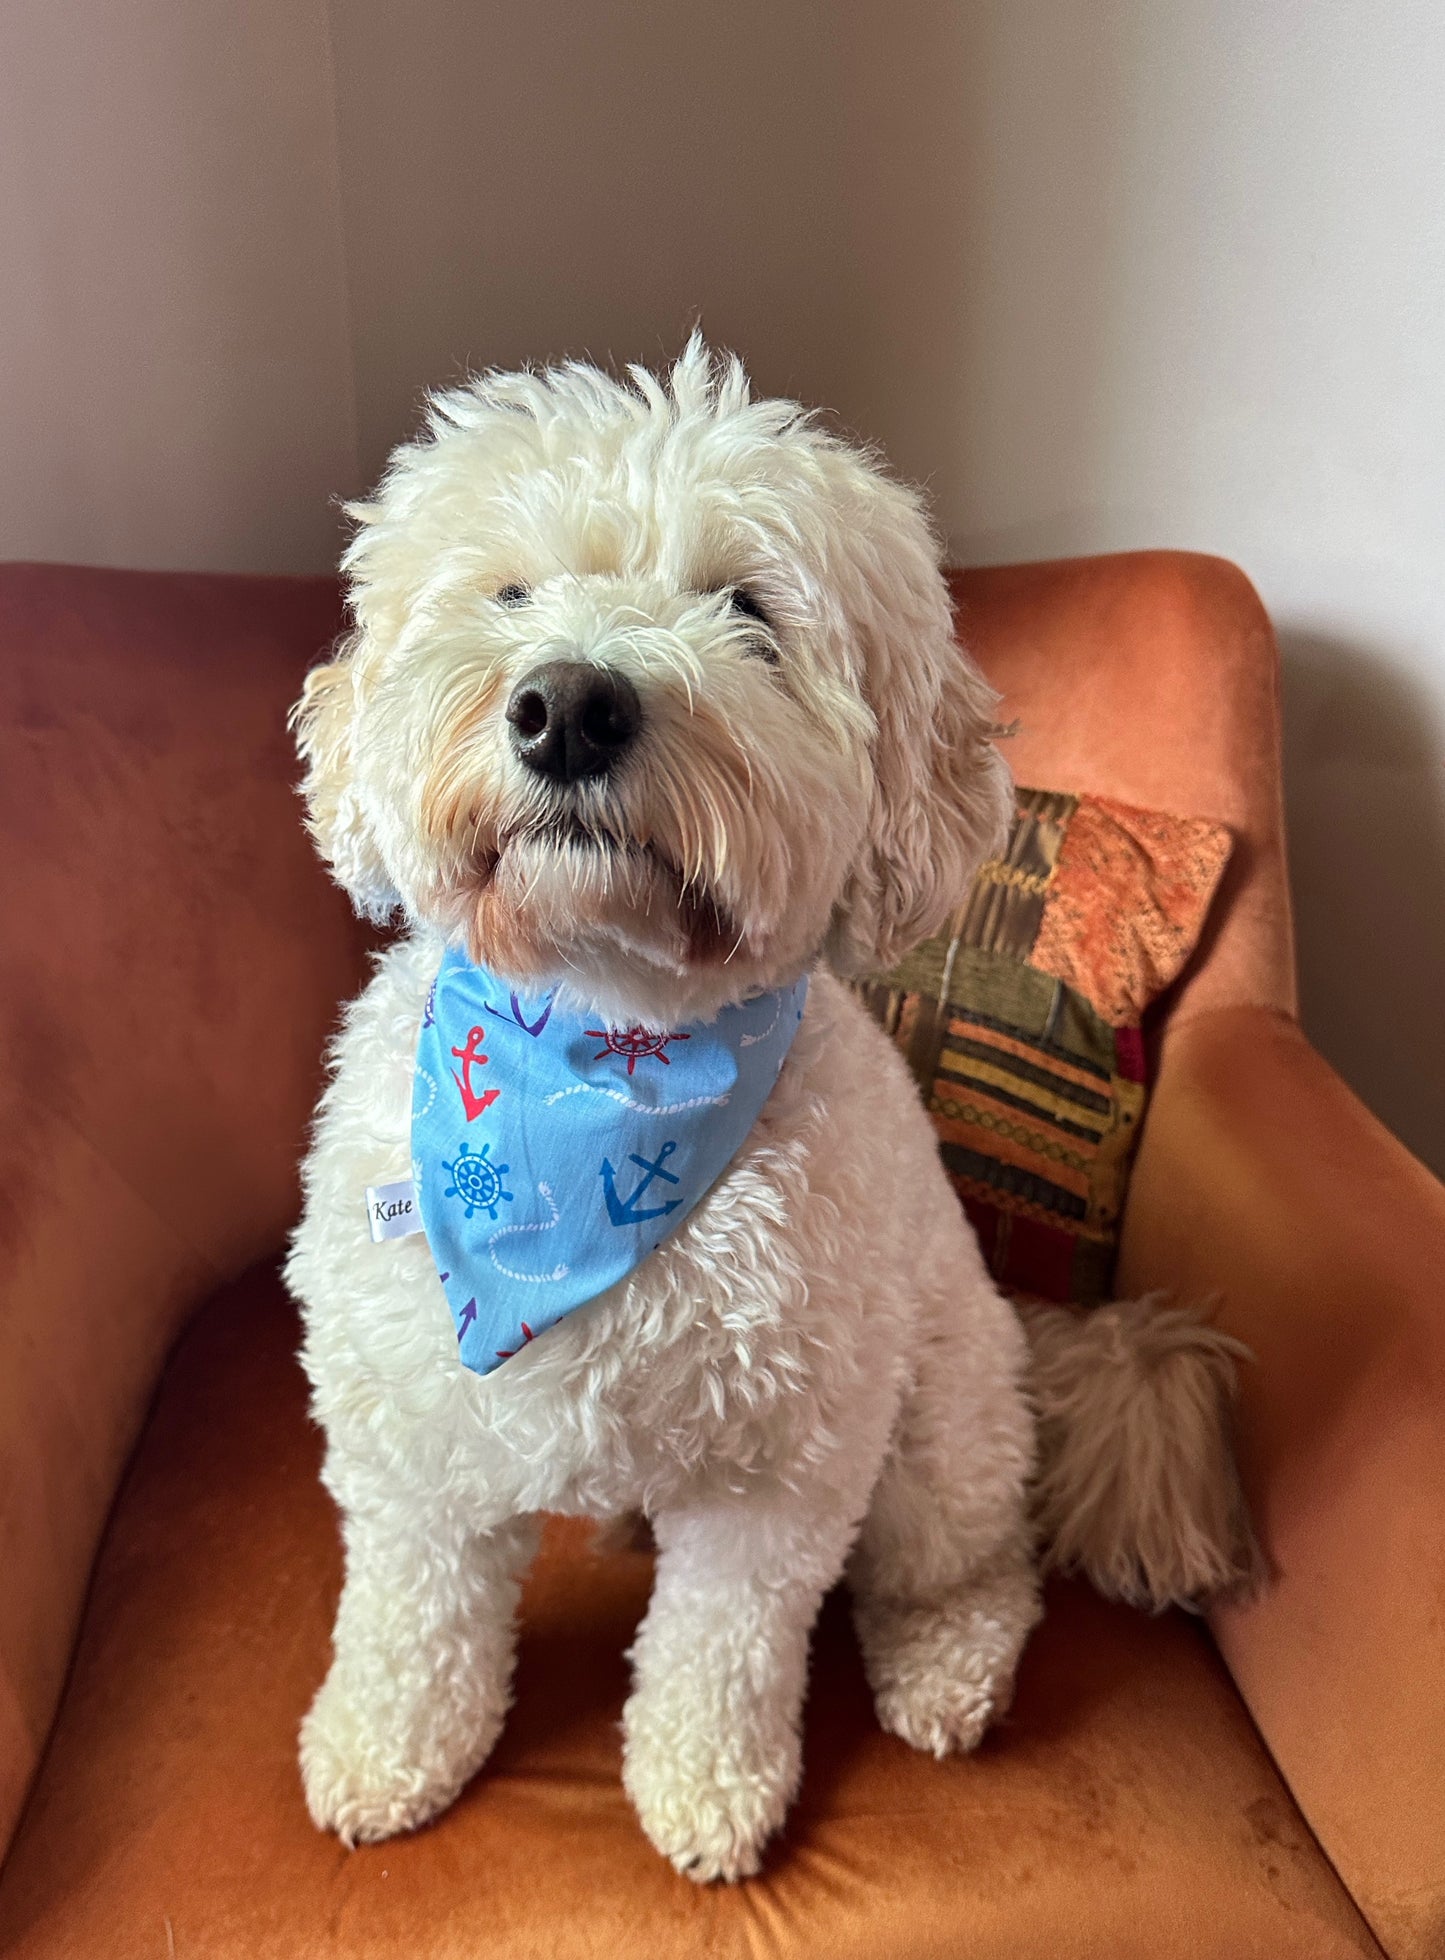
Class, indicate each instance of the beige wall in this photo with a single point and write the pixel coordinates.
(1142, 271)
(175, 362)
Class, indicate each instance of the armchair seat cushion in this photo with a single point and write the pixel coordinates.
(1127, 1808)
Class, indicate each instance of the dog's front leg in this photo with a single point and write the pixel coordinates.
(712, 1749)
(421, 1677)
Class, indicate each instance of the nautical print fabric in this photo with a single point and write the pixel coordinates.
(1022, 1024)
(551, 1154)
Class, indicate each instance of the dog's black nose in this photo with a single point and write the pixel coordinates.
(570, 719)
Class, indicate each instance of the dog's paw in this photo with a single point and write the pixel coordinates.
(708, 1806)
(942, 1671)
(358, 1781)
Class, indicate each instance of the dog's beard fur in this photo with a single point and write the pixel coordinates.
(703, 869)
(553, 886)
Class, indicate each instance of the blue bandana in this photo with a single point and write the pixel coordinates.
(551, 1154)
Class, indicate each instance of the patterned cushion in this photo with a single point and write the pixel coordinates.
(1022, 1024)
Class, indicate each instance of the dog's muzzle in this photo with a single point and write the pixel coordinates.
(570, 719)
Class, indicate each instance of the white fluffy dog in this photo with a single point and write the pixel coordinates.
(814, 1375)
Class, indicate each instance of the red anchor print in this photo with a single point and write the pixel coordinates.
(505, 1354)
(469, 1057)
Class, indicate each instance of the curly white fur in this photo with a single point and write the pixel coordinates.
(815, 1372)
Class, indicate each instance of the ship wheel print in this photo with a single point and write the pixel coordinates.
(634, 1044)
(477, 1181)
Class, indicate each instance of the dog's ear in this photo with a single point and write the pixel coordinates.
(942, 793)
(324, 722)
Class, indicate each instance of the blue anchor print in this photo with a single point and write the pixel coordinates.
(533, 1028)
(625, 1211)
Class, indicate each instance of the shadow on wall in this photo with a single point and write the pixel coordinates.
(1365, 804)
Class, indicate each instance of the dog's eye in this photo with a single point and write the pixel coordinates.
(742, 602)
(513, 595)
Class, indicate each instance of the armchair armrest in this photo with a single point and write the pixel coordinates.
(170, 961)
(1262, 1179)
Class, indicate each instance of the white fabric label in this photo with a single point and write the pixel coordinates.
(392, 1211)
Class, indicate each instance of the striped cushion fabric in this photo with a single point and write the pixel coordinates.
(1022, 1024)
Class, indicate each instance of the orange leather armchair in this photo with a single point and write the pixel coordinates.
(170, 961)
